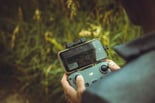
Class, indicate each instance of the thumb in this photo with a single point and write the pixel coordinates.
(80, 83)
(112, 65)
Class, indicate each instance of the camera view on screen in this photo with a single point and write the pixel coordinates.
(82, 55)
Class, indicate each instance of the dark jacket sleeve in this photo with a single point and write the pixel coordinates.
(89, 97)
(134, 83)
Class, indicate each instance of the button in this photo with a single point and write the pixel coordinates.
(104, 68)
(86, 84)
(94, 81)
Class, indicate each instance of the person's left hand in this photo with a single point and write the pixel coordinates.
(72, 95)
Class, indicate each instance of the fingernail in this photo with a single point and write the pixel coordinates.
(111, 63)
(79, 77)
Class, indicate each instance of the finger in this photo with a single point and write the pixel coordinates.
(80, 83)
(68, 89)
(65, 83)
(112, 65)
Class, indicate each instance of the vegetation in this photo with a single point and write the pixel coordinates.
(33, 31)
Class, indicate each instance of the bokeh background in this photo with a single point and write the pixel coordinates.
(33, 31)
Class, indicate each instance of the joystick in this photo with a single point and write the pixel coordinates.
(104, 68)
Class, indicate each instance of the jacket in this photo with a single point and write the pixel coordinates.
(134, 82)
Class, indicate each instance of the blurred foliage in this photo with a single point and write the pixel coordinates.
(33, 31)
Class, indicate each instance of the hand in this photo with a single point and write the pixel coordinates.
(112, 65)
(74, 96)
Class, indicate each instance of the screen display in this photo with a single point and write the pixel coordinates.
(82, 55)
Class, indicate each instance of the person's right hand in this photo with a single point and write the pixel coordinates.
(112, 65)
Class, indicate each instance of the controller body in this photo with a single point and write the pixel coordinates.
(90, 75)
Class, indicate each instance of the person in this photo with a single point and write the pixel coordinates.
(134, 82)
